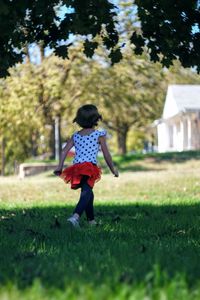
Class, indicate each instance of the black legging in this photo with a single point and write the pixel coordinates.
(86, 200)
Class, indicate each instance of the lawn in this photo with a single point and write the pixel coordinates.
(147, 244)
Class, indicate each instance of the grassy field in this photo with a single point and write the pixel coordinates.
(147, 244)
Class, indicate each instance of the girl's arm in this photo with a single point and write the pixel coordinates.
(64, 152)
(107, 155)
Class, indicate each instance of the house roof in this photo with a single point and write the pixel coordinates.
(181, 98)
(187, 97)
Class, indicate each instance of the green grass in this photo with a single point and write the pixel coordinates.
(147, 245)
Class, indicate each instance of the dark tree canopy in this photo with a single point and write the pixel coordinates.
(170, 28)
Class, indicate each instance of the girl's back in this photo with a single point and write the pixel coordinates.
(87, 145)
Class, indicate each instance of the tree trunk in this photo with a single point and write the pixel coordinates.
(122, 141)
(41, 48)
(34, 146)
(57, 138)
(3, 157)
(52, 140)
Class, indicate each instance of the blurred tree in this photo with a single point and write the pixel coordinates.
(31, 98)
(169, 28)
(19, 123)
(176, 74)
(130, 94)
(136, 139)
(2, 126)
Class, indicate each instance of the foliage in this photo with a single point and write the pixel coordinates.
(30, 100)
(130, 94)
(26, 22)
(170, 29)
(179, 75)
(135, 140)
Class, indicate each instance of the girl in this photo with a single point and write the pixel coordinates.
(84, 172)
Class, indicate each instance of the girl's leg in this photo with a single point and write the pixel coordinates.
(85, 197)
(89, 210)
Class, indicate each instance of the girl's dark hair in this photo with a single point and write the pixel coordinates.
(87, 116)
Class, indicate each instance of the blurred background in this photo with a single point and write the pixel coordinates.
(145, 107)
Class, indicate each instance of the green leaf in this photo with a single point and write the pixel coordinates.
(89, 48)
(138, 41)
(62, 51)
(115, 56)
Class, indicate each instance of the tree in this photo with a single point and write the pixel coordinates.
(176, 74)
(31, 98)
(130, 94)
(20, 124)
(169, 28)
(25, 22)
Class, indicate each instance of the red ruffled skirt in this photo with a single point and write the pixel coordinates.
(74, 174)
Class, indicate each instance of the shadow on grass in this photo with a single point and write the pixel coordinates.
(37, 243)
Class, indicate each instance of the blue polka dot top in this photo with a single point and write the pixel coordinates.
(87, 146)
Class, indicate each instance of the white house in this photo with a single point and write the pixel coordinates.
(179, 127)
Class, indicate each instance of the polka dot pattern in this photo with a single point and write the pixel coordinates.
(87, 146)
